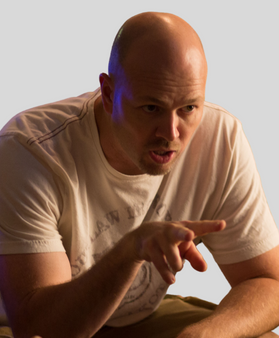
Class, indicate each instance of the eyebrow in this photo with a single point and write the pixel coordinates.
(195, 99)
(155, 100)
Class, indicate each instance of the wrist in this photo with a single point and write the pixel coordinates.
(130, 243)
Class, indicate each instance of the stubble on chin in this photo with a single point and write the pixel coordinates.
(156, 169)
(153, 169)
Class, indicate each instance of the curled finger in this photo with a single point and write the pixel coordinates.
(195, 258)
(169, 241)
(157, 257)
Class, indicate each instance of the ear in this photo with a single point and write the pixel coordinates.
(107, 92)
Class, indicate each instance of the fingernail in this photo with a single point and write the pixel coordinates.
(219, 224)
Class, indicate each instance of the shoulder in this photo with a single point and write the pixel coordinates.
(216, 113)
(47, 138)
(37, 123)
(219, 125)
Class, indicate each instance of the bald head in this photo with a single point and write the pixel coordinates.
(152, 37)
(153, 97)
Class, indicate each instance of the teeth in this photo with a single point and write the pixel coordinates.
(160, 152)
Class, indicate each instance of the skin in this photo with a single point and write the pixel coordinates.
(36, 287)
(158, 104)
(152, 102)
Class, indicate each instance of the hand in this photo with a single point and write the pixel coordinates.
(166, 244)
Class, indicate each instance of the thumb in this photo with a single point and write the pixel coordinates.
(195, 258)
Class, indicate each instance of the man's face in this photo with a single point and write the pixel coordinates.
(155, 114)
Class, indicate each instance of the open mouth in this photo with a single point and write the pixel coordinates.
(161, 153)
(162, 157)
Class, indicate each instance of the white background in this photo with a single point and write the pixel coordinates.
(52, 50)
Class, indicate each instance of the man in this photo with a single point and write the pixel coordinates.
(115, 189)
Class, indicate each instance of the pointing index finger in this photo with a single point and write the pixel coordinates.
(201, 228)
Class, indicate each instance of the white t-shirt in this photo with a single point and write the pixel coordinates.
(59, 193)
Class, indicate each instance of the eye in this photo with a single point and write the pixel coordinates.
(189, 108)
(150, 108)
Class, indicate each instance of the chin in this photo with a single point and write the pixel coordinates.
(155, 170)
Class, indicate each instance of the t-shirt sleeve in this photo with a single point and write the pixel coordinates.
(30, 201)
(251, 230)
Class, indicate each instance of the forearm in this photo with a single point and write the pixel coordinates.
(80, 307)
(48, 303)
(249, 310)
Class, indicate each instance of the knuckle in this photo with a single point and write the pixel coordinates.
(168, 228)
(171, 230)
(177, 266)
(174, 260)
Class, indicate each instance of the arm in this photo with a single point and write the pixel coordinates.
(41, 298)
(251, 308)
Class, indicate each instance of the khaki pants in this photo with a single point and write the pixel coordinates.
(172, 316)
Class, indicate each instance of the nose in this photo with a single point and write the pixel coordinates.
(168, 126)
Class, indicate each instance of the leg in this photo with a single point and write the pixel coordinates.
(5, 331)
(172, 316)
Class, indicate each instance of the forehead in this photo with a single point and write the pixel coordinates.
(162, 74)
(162, 87)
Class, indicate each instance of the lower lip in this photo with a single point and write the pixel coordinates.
(162, 159)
